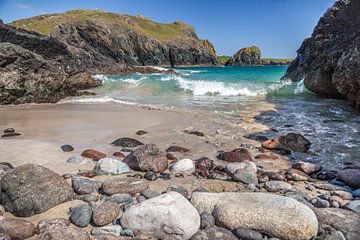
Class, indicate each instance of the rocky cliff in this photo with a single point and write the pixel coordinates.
(102, 39)
(245, 57)
(329, 61)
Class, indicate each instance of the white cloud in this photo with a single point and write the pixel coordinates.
(25, 7)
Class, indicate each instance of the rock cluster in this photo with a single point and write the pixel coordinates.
(245, 57)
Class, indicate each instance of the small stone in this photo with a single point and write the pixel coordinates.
(67, 148)
(207, 220)
(343, 194)
(236, 155)
(307, 167)
(93, 154)
(127, 233)
(263, 179)
(150, 176)
(12, 134)
(17, 228)
(325, 186)
(118, 154)
(277, 176)
(140, 198)
(356, 193)
(263, 156)
(126, 142)
(245, 176)
(81, 215)
(108, 230)
(296, 175)
(178, 189)
(196, 133)
(148, 193)
(247, 234)
(353, 206)
(252, 187)
(127, 150)
(350, 177)
(170, 157)
(231, 168)
(214, 233)
(219, 176)
(104, 213)
(203, 167)
(141, 132)
(341, 202)
(84, 185)
(177, 149)
(80, 160)
(88, 198)
(9, 130)
(182, 166)
(321, 203)
(124, 185)
(276, 186)
(86, 173)
(111, 166)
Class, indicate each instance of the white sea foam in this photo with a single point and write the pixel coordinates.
(104, 99)
(300, 87)
(160, 69)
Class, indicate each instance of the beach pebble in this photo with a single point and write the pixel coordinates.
(245, 176)
(353, 206)
(88, 198)
(9, 130)
(80, 160)
(81, 215)
(118, 154)
(147, 158)
(278, 216)
(148, 193)
(270, 156)
(126, 142)
(17, 228)
(296, 175)
(127, 233)
(141, 132)
(247, 234)
(84, 185)
(140, 198)
(67, 148)
(291, 141)
(231, 168)
(207, 220)
(150, 176)
(356, 193)
(203, 166)
(169, 213)
(321, 203)
(11, 134)
(342, 194)
(104, 213)
(111, 166)
(93, 154)
(307, 167)
(236, 155)
(182, 166)
(124, 185)
(277, 176)
(86, 173)
(171, 157)
(120, 198)
(276, 186)
(178, 189)
(108, 230)
(214, 233)
(177, 149)
(350, 177)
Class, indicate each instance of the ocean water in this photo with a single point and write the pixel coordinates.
(331, 125)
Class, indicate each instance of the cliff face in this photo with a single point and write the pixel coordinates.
(101, 39)
(329, 61)
(245, 57)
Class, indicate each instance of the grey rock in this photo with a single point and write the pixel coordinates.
(247, 234)
(88, 198)
(214, 233)
(80, 160)
(124, 185)
(321, 203)
(81, 215)
(150, 175)
(231, 168)
(350, 176)
(43, 190)
(108, 230)
(127, 233)
(67, 148)
(245, 176)
(276, 186)
(353, 206)
(120, 198)
(356, 193)
(148, 193)
(111, 166)
(126, 142)
(207, 220)
(84, 185)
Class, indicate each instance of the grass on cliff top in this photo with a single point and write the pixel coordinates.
(249, 50)
(223, 59)
(44, 24)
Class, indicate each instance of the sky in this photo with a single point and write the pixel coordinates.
(278, 27)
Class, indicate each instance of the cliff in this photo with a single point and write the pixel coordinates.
(329, 61)
(102, 39)
(245, 57)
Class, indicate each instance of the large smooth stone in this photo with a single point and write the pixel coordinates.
(292, 141)
(147, 158)
(277, 216)
(93, 154)
(17, 228)
(124, 185)
(214, 233)
(84, 185)
(350, 177)
(182, 166)
(81, 215)
(30, 189)
(342, 220)
(111, 166)
(168, 214)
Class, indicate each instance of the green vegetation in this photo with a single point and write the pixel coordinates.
(249, 50)
(44, 24)
(223, 59)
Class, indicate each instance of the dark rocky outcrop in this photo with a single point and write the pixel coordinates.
(30, 189)
(245, 57)
(329, 61)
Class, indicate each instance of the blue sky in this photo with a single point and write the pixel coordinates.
(277, 26)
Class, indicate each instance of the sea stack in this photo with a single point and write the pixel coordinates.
(249, 56)
(329, 61)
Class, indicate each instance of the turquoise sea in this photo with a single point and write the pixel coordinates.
(331, 125)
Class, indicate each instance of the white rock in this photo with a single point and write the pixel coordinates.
(184, 165)
(111, 166)
(108, 230)
(80, 160)
(278, 216)
(231, 168)
(167, 214)
(275, 186)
